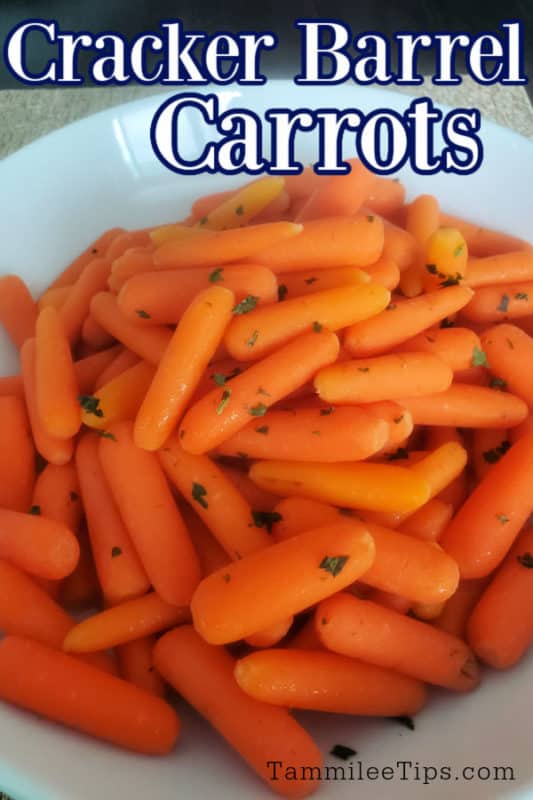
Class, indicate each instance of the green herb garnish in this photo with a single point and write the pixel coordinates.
(262, 429)
(526, 560)
(115, 552)
(246, 305)
(259, 410)
(333, 564)
(504, 303)
(282, 292)
(90, 404)
(253, 339)
(35, 511)
(317, 327)
(142, 314)
(494, 455)
(226, 394)
(199, 493)
(217, 275)
(266, 519)
(479, 358)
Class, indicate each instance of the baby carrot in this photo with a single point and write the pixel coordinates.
(404, 319)
(223, 247)
(429, 521)
(397, 418)
(305, 638)
(254, 495)
(422, 220)
(385, 272)
(488, 446)
(466, 406)
(505, 268)
(399, 245)
(339, 195)
(508, 301)
(508, 349)
(96, 249)
(296, 284)
(311, 434)
(271, 636)
(262, 734)
(126, 622)
(123, 359)
(93, 335)
(18, 310)
(182, 365)
(323, 243)
(80, 591)
(88, 369)
(389, 600)
(53, 297)
(446, 258)
(37, 545)
(64, 689)
(76, 306)
(146, 505)
(243, 205)
(17, 456)
(11, 386)
(457, 610)
(483, 241)
(223, 412)
(500, 629)
(127, 240)
(455, 346)
(57, 497)
(309, 567)
(56, 387)
(133, 262)
(380, 487)
(322, 681)
(380, 636)
(148, 343)
(483, 530)
(210, 553)
(137, 665)
(216, 500)
(119, 399)
(386, 196)
(274, 325)
(53, 449)
(119, 570)
(385, 377)
(162, 297)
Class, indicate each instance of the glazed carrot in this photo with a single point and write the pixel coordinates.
(380, 487)
(484, 529)
(56, 495)
(126, 622)
(243, 205)
(405, 319)
(64, 689)
(311, 434)
(223, 247)
(145, 503)
(182, 365)
(309, 567)
(500, 629)
(53, 297)
(397, 418)
(53, 449)
(254, 495)
(438, 435)
(505, 268)
(80, 591)
(133, 262)
(508, 349)
(224, 411)
(339, 195)
(210, 553)
(422, 220)
(56, 387)
(122, 360)
(125, 241)
(119, 570)
(446, 258)
(399, 245)
(385, 377)
(455, 346)
(12, 386)
(271, 636)
(380, 636)
(17, 456)
(295, 284)
(454, 616)
(386, 196)
(18, 311)
(148, 343)
(389, 600)
(429, 521)
(136, 665)
(298, 514)
(76, 306)
(96, 249)
(323, 243)
(215, 499)
(37, 545)
(488, 446)
(385, 272)
(94, 335)
(427, 611)
(483, 241)
(466, 406)
(508, 301)
(524, 428)
(262, 734)
(275, 324)
(441, 466)
(322, 681)
(119, 399)
(302, 185)
(162, 297)
(88, 369)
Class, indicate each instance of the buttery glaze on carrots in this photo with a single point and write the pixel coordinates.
(299, 419)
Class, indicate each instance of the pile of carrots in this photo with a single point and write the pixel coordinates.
(299, 420)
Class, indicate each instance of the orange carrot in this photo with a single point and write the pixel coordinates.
(53, 297)
(380, 636)
(488, 446)
(454, 616)
(216, 500)
(339, 195)
(37, 545)
(127, 240)
(136, 665)
(223, 412)
(298, 514)
(18, 311)
(429, 521)
(242, 206)
(96, 249)
(262, 734)
(274, 325)
(385, 272)
(88, 369)
(254, 495)
(386, 196)
(524, 428)
(483, 241)
(64, 689)
(56, 495)
(309, 567)
(146, 505)
(397, 418)
(17, 456)
(76, 306)
(508, 349)
(406, 318)
(93, 335)
(162, 297)
(126, 622)
(148, 343)
(446, 258)
(466, 406)
(123, 360)
(484, 529)
(311, 434)
(295, 284)
(399, 245)
(53, 449)
(56, 387)
(271, 636)
(210, 553)
(422, 220)
(182, 365)
(455, 346)
(508, 301)
(389, 600)
(131, 263)
(80, 591)
(305, 638)
(119, 570)
(323, 243)
(12, 386)
(323, 681)
(119, 399)
(498, 270)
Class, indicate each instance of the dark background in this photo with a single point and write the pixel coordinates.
(386, 16)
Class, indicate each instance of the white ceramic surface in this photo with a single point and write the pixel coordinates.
(55, 196)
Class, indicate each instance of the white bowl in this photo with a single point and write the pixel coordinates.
(56, 195)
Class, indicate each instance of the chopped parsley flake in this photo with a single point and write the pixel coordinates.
(504, 303)
(325, 412)
(317, 327)
(35, 511)
(246, 305)
(217, 275)
(282, 292)
(479, 358)
(333, 564)
(239, 211)
(199, 493)
(226, 394)
(526, 560)
(266, 519)
(115, 552)
(90, 404)
(262, 429)
(259, 410)
(502, 519)
(498, 383)
(494, 455)
(253, 339)
(142, 314)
